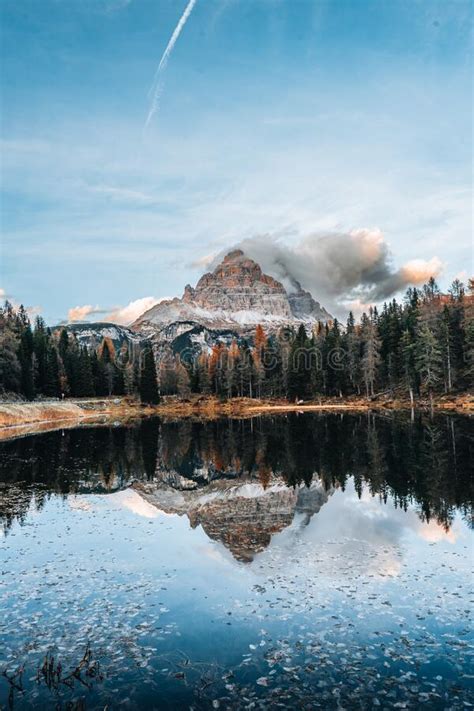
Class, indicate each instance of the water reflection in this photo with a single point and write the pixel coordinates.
(244, 481)
(300, 562)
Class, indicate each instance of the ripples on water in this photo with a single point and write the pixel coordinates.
(315, 561)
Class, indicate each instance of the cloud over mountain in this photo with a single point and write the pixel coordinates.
(339, 267)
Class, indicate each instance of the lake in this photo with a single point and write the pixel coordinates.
(301, 561)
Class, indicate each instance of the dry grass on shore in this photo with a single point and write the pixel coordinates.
(21, 413)
(26, 413)
(212, 407)
(39, 416)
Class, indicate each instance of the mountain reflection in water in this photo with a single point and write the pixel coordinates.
(244, 480)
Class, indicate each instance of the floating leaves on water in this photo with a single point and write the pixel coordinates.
(334, 635)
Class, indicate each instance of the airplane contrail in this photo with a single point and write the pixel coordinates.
(157, 85)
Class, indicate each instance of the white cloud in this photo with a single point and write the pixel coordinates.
(81, 313)
(32, 311)
(126, 315)
(339, 268)
(357, 306)
(418, 271)
(204, 262)
(122, 315)
(228, 178)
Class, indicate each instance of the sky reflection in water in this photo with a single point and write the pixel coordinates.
(207, 569)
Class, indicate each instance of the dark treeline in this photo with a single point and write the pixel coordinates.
(36, 361)
(426, 462)
(422, 346)
(86, 460)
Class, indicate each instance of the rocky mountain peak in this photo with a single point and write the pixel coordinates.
(233, 256)
(234, 272)
(236, 295)
(238, 284)
(303, 305)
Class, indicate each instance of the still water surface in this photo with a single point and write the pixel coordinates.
(312, 561)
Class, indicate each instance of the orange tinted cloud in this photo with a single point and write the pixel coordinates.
(418, 271)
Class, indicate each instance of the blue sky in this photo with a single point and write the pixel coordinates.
(283, 118)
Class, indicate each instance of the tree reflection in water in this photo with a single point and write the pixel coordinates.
(425, 462)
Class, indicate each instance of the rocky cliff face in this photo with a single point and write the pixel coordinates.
(236, 296)
(238, 285)
(225, 305)
(304, 307)
(91, 335)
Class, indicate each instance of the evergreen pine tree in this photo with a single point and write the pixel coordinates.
(148, 380)
(259, 360)
(409, 374)
(98, 376)
(299, 379)
(25, 356)
(52, 386)
(202, 368)
(390, 331)
(371, 351)
(334, 361)
(446, 347)
(352, 347)
(109, 374)
(457, 322)
(40, 347)
(285, 337)
(428, 360)
(85, 379)
(469, 355)
(273, 364)
(10, 368)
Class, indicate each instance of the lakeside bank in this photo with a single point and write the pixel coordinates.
(19, 418)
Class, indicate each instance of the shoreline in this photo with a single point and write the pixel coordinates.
(18, 419)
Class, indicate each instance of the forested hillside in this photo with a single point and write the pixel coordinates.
(38, 361)
(422, 346)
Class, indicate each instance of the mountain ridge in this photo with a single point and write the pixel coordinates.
(226, 305)
(236, 295)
